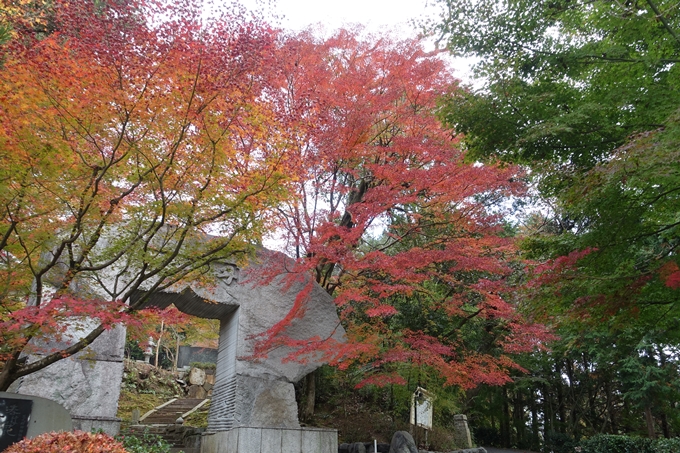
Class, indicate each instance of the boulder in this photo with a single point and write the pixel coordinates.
(197, 376)
(357, 447)
(196, 391)
(402, 442)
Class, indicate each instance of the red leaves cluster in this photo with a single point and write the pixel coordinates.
(553, 268)
(670, 274)
(72, 442)
(385, 204)
(62, 319)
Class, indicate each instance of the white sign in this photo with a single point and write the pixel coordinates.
(422, 408)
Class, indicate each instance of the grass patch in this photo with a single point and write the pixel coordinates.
(199, 419)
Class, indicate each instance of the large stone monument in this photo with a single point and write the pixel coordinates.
(248, 392)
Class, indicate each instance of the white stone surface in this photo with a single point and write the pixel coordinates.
(263, 402)
(88, 384)
(291, 441)
(271, 441)
(197, 376)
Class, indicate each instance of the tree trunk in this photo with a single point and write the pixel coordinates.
(505, 419)
(311, 395)
(649, 420)
(561, 405)
(309, 399)
(518, 419)
(535, 435)
(664, 426)
(6, 375)
(158, 345)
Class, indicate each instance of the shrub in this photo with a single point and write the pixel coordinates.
(559, 442)
(608, 443)
(203, 365)
(666, 445)
(75, 442)
(144, 443)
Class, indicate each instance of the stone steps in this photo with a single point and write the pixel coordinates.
(162, 421)
(169, 412)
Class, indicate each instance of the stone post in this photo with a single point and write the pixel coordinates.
(461, 431)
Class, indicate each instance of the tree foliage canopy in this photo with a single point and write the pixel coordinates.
(142, 142)
(566, 81)
(585, 94)
(129, 147)
(388, 215)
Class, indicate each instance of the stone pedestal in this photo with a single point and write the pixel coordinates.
(270, 440)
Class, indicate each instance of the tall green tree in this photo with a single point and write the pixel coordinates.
(565, 81)
(586, 94)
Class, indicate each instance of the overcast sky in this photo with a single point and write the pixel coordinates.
(333, 14)
(376, 15)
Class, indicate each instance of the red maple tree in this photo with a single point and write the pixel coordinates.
(388, 211)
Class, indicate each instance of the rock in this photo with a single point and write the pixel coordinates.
(357, 447)
(268, 402)
(196, 391)
(402, 442)
(197, 376)
(343, 448)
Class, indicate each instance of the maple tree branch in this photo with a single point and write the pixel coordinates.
(56, 356)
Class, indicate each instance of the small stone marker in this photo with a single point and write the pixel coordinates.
(357, 447)
(422, 404)
(29, 416)
(461, 431)
(135, 416)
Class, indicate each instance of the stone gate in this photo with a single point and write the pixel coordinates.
(254, 394)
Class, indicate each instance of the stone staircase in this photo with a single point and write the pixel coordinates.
(163, 421)
(168, 413)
